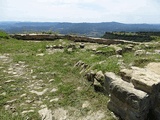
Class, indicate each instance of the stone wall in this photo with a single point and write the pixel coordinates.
(69, 37)
(36, 36)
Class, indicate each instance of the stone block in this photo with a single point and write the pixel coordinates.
(128, 102)
(156, 113)
(100, 77)
(126, 74)
(145, 80)
(110, 77)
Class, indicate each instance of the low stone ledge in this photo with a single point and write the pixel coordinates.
(69, 37)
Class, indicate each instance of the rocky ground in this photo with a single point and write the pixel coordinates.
(32, 93)
(42, 81)
(46, 94)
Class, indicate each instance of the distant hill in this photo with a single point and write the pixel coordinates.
(88, 29)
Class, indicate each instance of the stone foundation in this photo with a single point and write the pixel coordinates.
(69, 37)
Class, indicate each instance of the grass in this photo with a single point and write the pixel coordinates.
(108, 51)
(3, 35)
(4, 115)
(59, 68)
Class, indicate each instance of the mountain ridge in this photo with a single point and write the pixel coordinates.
(85, 28)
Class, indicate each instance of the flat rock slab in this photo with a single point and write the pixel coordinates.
(39, 93)
(142, 78)
(45, 114)
(154, 67)
(60, 114)
(145, 80)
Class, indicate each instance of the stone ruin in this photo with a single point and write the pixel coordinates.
(74, 38)
(134, 94)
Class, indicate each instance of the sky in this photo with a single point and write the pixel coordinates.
(124, 11)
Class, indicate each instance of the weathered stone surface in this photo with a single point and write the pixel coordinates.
(142, 78)
(126, 93)
(110, 77)
(39, 93)
(156, 113)
(79, 63)
(145, 80)
(140, 52)
(54, 90)
(99, 76)
(156, 107)
(118, 110)
(60, 114)
(157, 51)
(90, 76)
(128, 102)
(99, 87)
(45, 114)
(126, 74)
(154, 67)
(54, 100)
(99, 115)
(23, 95)
(29, 111)
(9, 81)
(11, 101)
(85, 104)
(82, 45)
(84, 66)
(40, 54)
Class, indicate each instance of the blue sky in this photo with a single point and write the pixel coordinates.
(125, 11)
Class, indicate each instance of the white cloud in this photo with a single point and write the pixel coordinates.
(81, 10)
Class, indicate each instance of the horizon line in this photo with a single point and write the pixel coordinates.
(74, 22)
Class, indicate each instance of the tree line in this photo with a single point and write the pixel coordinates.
(136, 36)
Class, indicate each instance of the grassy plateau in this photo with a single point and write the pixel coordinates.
(33, 77)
